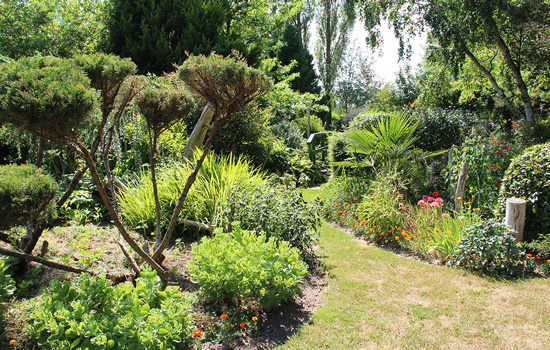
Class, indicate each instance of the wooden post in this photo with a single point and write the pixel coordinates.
(460, 185)
(515, 216)
(308, 124)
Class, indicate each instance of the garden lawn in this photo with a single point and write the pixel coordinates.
(379, 300)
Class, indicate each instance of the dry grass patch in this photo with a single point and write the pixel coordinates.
(379, 300)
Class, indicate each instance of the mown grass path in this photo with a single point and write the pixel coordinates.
(378, 300)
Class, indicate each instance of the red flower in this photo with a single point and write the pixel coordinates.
(508, 146)
(436, 194)
(489, 166)
(356, 199)
(499, 182)
(496, 166)
(197, 334)
(499, 151)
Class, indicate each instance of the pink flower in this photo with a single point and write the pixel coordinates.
(422, 203)
(431, 199)
(439, 200)
(434, 205)
(424, 196)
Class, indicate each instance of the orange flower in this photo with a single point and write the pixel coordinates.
(548, 261)
(242, 325)
(12, 341)
(386, 241)
(345, 211)
(529, 255)
(226, 329)
(389, 231)
(254, 318)
(223, 317)
(356, 199)
(539, 258)
(197, 333)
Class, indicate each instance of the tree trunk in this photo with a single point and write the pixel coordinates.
(190, 180)
(505, 51)
(80, 147)
(515, 216)
(155, 190)
(196, 138)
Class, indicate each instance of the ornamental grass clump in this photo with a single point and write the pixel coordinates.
(244, 267)
(489, 248)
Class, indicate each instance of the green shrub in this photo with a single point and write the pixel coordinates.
(279, 159)
(528, 177)
(488, 157)
(540, 246)
(26, 193)
(541, 131)
(290, 132)
(315, 124)
(280, 214)
(382, 213)
(338, 192)
(367, 119)
(246, 268)
(489, 248)
(90, 314)
(440, 129)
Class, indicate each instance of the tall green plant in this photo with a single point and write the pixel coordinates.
(389, 145)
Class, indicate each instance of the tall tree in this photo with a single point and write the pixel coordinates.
(293, 49)
(356, 86)
(60, 28)
(333, 28)
(462, 27)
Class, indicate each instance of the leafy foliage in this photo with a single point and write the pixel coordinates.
(245, 267)
(48, 96)
(213, 186)
(540, 246)
(26, 193)
(90, 314)
(279, 214)
(227, 83)
(440, 129)
(489, 248)
(528, 177)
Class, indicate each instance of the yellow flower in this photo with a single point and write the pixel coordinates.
(477, 209)
(458, 198)
(12, 341)
(254, 318)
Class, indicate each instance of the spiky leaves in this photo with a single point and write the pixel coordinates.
(227, 83)
(47, 96)
(162, 107)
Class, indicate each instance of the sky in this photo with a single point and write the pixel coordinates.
(385, 59)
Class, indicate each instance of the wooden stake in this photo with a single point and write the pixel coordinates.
(515, 216)
(460, 185)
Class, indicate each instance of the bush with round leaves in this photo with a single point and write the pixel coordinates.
(528, 177)
(489, 248)
(247, 268)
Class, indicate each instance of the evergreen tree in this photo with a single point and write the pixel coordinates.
(158, 34)
(295, 50)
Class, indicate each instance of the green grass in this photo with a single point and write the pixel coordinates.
(378, 300)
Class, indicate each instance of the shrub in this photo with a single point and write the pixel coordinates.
(382, 214)
(440, 129)
(289, 132)
(489, 157)
(26, 193)
(90, 314)
(279, 214)
(541, 133)
(367, 119)
(246, 268)
(339, 191)
(279, 159)
(316, 124)
(489, 248)
(540, 246)
(528, 177)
